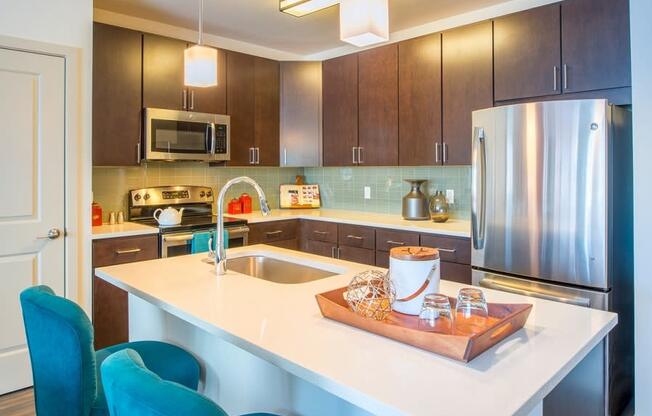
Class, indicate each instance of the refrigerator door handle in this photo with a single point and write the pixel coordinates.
(515, 288)
(479, 192)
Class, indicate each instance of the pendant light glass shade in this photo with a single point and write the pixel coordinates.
(364, 22)
(300, 8)
(200, 66)
(200, 62)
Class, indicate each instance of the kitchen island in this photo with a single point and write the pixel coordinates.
(265, 346)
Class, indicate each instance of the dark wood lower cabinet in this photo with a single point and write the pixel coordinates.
(110, 304)
(357, 255)
(273, 231)
(460, 273)
(320, 248)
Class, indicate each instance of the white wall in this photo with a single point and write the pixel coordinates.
(641, 30)
(69, 24)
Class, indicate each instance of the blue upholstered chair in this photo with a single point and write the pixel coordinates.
(133, 390)
(65, 367)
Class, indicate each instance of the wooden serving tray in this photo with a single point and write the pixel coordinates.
(504, 319)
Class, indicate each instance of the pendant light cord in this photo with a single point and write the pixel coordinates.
(201, 20)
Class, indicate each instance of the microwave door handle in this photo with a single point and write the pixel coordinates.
(212, 127)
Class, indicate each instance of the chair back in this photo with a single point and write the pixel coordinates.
(60, 342)
(133, 390)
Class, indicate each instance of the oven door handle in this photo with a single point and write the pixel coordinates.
(237, 230)
(177, 238)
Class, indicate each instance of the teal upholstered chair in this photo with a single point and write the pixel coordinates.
(65, 367)
(133, 390)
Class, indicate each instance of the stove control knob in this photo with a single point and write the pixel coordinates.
(137, 197)
(146, 197)
(202, 194)
(209, 194)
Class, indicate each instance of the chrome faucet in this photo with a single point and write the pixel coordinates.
(220, 253)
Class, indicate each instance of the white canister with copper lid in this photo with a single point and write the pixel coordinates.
(414, 272)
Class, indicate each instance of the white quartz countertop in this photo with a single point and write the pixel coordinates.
(452, 227)
(282, 324)
(126, 229)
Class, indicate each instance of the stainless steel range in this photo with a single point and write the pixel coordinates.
(197, 201)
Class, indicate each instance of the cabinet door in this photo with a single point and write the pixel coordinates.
(117, 82)
(240, 100)
(467, 83)
(340, 109)
(527, 54)
(419, 91)
(357, 255)
(211, 99)
(267, 111)
(320, 248)
(378, 107)
(319, 231)
(269, 232)
(356, 236)
(163, 72)
(460, 273)
(596, 48)
(451, 249)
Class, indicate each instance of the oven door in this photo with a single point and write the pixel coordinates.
(183, 135)
(180, 244)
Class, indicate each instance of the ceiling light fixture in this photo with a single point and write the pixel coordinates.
(300, 8)
(364, 22)
(200, 62)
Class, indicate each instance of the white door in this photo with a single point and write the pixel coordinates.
(31, 195)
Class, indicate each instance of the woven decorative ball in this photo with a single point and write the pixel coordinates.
(371, 294)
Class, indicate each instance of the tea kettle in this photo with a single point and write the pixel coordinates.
(168, 216)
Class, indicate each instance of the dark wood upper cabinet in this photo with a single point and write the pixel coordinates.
(211, 99)
(267, 111)
(117, 77)
(378, 106)
(527, 54)
(467, 85)
(595, 44)
(419, 93)
(340, 109)
(241, 99)
(163, 73)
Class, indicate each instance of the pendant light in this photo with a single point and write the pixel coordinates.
(199, 61)
(364, 22)
(300, 8)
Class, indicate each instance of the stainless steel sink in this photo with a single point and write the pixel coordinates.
(274, 270)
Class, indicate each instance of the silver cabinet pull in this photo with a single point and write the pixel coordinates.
(320, 232)
(138, 152)
(192, 100)
(554, 78)
(395, 243)
(445, 152)
(252, 159)
(447, 250)
(355, 161)
(257, 154)
(53, 234)
(338, 252)
(129, 251)
(437, 146)
(565, 76)
(285, 156)
(333, 255)
(360, 160)
(273, 233)
(185, 99)
(355, 237)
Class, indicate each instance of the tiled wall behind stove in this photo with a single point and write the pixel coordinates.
(343, 188)
(111, 185)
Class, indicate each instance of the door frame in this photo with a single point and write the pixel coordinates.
(77, 165)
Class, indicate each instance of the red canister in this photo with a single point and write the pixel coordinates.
(96, 214)
(245, 201)
(234, 207)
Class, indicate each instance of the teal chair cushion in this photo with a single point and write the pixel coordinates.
(133, 390)
(65, 365)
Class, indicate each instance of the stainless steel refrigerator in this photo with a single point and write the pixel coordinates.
(552, 218)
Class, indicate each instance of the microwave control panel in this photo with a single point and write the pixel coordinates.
(221, 138)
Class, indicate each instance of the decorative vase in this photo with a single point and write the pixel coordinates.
(439, 207)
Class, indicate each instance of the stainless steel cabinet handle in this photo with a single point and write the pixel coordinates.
(447, 250)
(320, 232)
(478, 184)
(257, 154)
(445, 153)
(272, 233)
(355, 237)
(338, 252)
(138, 152)
(395, 243)
(129, 251)
(185, 99)
(354, 154)
(573, 300)
(554, 78)
(437, 146)
(360, 149)
(285, 156)
(53, 234)
(192, 100)
(252, 159)
(565, 75)
(333, 254)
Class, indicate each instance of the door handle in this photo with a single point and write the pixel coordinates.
(257, 154)
(355, 162)
(273, 233)
(395, 243)
(437, 145)
(445, 152)
(192, 100)
(320, 232)
(251, 156)
(565, 76)
(557, 297)
(53, 234)
(360, 160)
(479, 185)
(138, 152)
(185, 99)
(447, 250)
(554, 78)
(355, 237)
(129, 251)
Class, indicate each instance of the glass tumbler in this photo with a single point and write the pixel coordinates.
(436, 313)
(471, 313)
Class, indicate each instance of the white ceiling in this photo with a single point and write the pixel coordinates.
(260, 22)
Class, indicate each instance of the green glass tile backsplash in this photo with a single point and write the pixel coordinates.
(341, 188)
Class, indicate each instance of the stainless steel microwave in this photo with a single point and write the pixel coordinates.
(185, 135)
